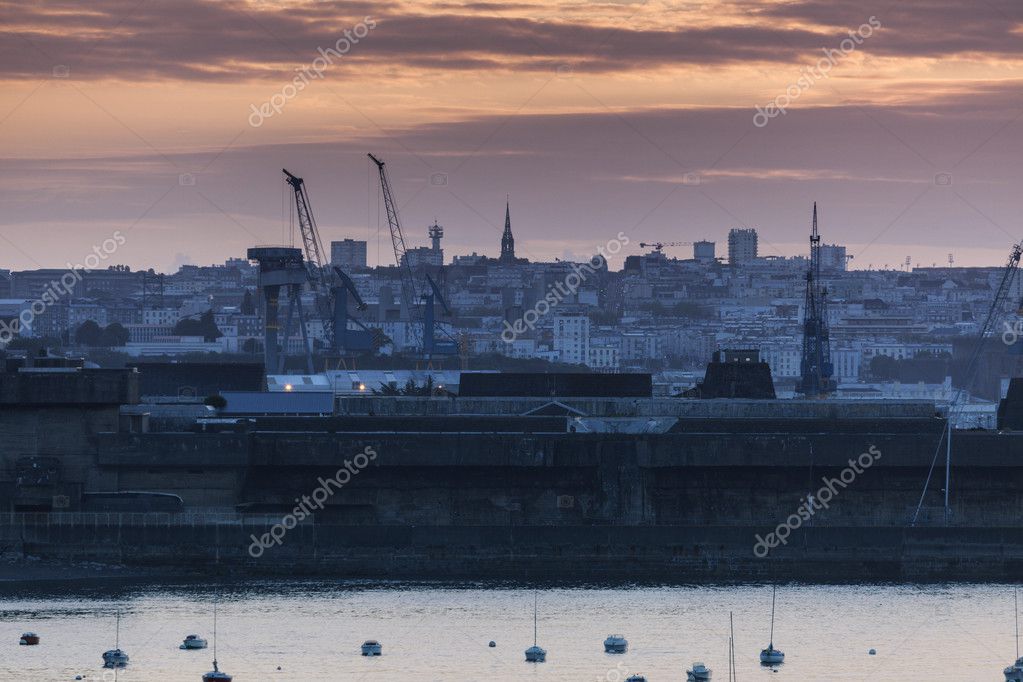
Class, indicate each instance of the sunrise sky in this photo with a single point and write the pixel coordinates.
(594, 118)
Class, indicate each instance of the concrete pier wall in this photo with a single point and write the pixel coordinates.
(513, 496)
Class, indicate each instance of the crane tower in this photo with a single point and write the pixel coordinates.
(816, 368)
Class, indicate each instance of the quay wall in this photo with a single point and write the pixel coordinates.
(685, 504)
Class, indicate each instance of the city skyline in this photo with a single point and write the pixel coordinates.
(595, 119)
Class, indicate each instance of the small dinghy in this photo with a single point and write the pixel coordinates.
(371, 647)
(29, 639)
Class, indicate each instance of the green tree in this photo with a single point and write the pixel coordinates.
(883, 368)
(114, 335)
(204, 327)
(89, 334)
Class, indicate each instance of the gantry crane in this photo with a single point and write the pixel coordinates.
(409, 294)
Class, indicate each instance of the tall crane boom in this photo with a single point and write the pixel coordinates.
(409, 295)
(321, 278)
(315, 261)
(816, 368)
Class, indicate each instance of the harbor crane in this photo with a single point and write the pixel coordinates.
(409, 294)
(330, 286)
(815, 367)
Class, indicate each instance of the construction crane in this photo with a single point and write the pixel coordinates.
(330, 285)
(409, 296)
(314, 261)
(816, 368)
(659, 246)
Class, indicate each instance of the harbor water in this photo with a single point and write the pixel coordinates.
(278, 631)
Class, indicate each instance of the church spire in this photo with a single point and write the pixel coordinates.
(507, 240)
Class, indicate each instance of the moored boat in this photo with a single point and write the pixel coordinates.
(29, 639)
(371, 647)
(193, 642)
(616, 644)
(215, 675)
(116, 657)
(698, 673)
(770, 655)
(1014, 673)
(535, 653)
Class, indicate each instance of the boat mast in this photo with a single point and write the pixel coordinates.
(1015, 603)
(214, 634)
(774, 593)
(732, 672)
(117, 632)
(534, 618)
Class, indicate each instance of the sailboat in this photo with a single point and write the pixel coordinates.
(1014, 673)
(115, 658)
(770, 655)
(215, 675)
(535, 654)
